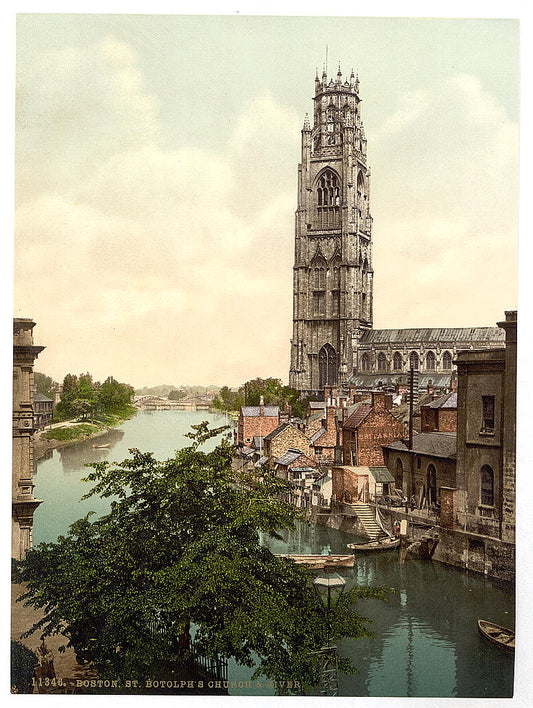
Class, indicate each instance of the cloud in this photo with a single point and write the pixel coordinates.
(168, 252)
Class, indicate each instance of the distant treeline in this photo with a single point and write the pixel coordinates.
(271, 390)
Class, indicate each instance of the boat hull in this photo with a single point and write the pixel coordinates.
(385, 545)
(497, 635)
(319, 562)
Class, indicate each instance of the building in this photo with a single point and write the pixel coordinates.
(370, 426)
(440, 414)
(486, 439)
(43, 408)
(333, 340)
(25, 352)
(352, 484)
(282, 439)
(256, 422)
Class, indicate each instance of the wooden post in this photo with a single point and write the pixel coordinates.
(403, 540)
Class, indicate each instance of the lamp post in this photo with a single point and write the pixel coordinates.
(329, 587)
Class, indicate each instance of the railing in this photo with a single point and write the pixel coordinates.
(216, 668)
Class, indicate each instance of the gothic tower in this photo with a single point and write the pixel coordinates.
(333, 247)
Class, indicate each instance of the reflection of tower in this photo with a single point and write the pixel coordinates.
(333, 250)
(23, 501)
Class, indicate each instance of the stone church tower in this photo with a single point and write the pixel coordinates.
(333, 250)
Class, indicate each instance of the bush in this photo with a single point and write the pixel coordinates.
(23, 662)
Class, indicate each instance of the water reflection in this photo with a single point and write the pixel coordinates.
(74, 457)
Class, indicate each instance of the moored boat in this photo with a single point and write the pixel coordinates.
(494, 633)
(382, 544)
(319, 562)
(101, 447)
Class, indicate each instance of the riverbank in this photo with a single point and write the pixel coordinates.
(68, 432)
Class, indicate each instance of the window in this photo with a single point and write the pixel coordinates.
(382, 362)
(430, 361)
(365, 362)
(447, 361)
(432, 485)
(487, 486)
(327, 366)
(487, 425)
(397, 361)
(414, 362)
(319, 303)
(328, 199)
(319, 277)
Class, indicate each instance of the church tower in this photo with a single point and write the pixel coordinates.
(332, 293)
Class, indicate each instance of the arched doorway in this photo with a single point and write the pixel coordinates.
(327, 366)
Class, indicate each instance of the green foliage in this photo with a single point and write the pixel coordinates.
(45, 385)
(180, 545)
(271, 390)
(71, 432)
(23, 661)
(84, 398)
(176, 395)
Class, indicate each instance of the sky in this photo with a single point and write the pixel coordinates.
(156, 172)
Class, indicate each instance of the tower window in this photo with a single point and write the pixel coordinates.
(335, 302)
(328, 199)
(327, 366)
(320, 278)
(319, 303)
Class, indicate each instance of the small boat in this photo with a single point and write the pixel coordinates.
(382, 544)
(495, 634)
(101, 447)
(319, 562)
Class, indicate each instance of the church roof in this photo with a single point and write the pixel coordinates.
(437, 335)
(364, 380)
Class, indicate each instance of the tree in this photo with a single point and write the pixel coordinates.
(180, 548)
(45, 385)
(176, 394)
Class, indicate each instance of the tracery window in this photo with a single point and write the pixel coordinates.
(328, 199)
(430, 361)
(365, 362)
(414, 361)
(327, 366)
(397, 361)
(319, 277)
(447, 361)
(382, 362)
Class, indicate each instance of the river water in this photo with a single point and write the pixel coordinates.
(426, 643)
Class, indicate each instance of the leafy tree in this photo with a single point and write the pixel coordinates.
(176, 395)
(181, 548)
(45, 385)
(23, 662)
(228, 400)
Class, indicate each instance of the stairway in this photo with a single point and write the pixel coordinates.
(367, 516)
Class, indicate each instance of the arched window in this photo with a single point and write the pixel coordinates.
(432, 485)
(328, 200)
(327, 366)
(382, 362)
(319, 277)
(399, 474)
(397, 361)
(430, 361)
(487, 485)
(414, 361)
(447, 360)
(365, 362)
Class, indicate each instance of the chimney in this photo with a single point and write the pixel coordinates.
(378, 400)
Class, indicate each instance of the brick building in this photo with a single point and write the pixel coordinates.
(256, 422)
(367, 429)
(351, 484)
(440, 414)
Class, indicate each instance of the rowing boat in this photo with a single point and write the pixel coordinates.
(496, 634)
(383, 544)
(319, 562)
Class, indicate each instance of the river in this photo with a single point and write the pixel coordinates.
(426, 642)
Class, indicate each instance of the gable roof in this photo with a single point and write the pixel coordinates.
(274, 433)
(358, 416)
(449, 400)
